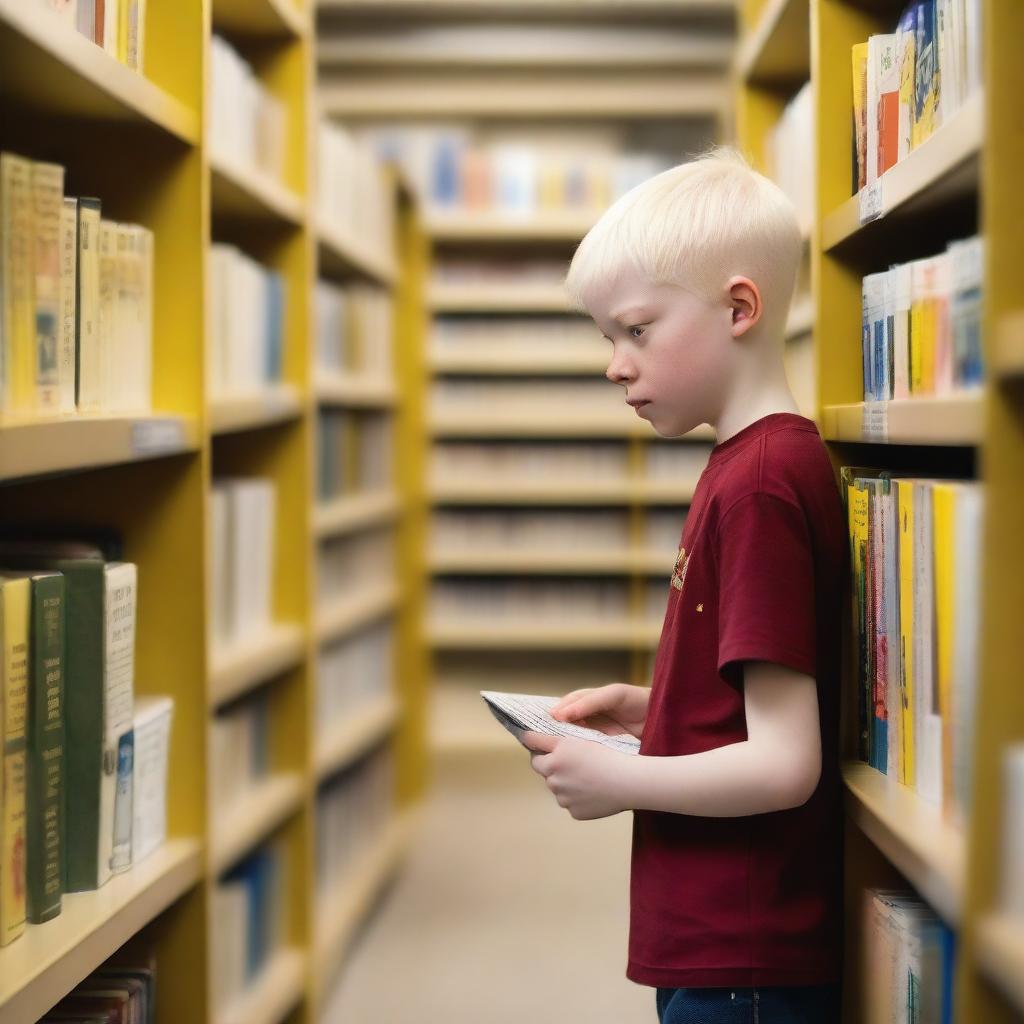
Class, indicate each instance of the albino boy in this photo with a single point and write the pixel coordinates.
(736, 864)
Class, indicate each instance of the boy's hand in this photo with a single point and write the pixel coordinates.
(615, 709)
(584, 776)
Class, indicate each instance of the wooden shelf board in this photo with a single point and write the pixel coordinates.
(251, 194)
(520, 360)
(340, 913)
(599, 561)
(912, 834)
(340, 617)
(777, 51)
(253, 816)
(496, 228)
(260, 18)
(614, 423)
(945, 166)
(954, 420)
(354, 512)
(276, 404)
(534, 8)
(346, 741)
(559, 492)
(53, 68)
(49, 959)
(278, 988)
(341, 254)
(616, 634)
(239, 669)
(33, 448)
(498, 298)
(1000, 952)
(350, 389)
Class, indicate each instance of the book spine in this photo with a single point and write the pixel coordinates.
(100, 23)
(88, 389)
(860, 71)
(107, 320)
(47, 207)
(905, 505)
(66, 356)
(19, 329)
(16, 635)
(858, 513)
(926, 79)
(44, 812)
(86, 20)
(943, 554)
(121, 851)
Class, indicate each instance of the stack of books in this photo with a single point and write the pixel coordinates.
(247, 121)
(247, 315)
(353, 672)
(346, 565)
(915, 547)
(239, 749)
(353, 452)
(909, 82)
(921, 325)
(119, 26)
(84, 765)
(77, 301)
(122, 991)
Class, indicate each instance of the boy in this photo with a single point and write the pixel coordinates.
(736, 863)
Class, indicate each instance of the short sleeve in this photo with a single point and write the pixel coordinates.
(766, 587)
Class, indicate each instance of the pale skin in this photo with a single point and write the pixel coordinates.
(692, 359)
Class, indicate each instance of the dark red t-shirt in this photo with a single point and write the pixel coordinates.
(760, 575)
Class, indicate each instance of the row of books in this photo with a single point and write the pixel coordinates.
(83, 772)
(354, 329)
(790, 152)
(1011, 897)
(352, 195)
(242, 517)
(353, 452)
(354, 671)
(247, 317)
(77, 301)
(680, 461)
(910, 959)
(122, 991)
(518, 333)
(248, 920)
(516, 671)
(248, 122)
(921, 325)
(530, 600)
(345, 565)
(118, 26)
(239, 749)
(450, 168)
(577, 530)
(352, 810)
(908, 82)
(534, 393)
(915, 548)
(498, 271)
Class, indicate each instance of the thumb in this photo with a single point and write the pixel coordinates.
(538, 742)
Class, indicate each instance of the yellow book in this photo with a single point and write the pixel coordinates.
(905, 507)
(15, 611)
(944, 546)
(929, 324)
(859, 58)
(857, 503)
(17, 371)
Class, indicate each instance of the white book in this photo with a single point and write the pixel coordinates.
(111, 26)
(1012, 895)
(928, 743)
(901, 292)
(891, 585)
(152, 727)
(220, 567)
(47, 210)
(90, 365)
(68, 305)
(100, 400)
(973, 73)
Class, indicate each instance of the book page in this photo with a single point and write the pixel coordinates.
(522, 712)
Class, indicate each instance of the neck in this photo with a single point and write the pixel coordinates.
(760, 390)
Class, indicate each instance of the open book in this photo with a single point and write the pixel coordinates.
(523, 712)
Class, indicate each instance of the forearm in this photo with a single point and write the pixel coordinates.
(731, 781)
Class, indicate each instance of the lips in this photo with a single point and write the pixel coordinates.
(637, 403)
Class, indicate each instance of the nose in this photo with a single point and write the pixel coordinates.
(620, 369)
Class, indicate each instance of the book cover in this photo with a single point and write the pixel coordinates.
(857, 508)
(888, 103)
(66, 357)
(880, 60)
(44, 809)
(927, 723)
(121, 851)
(966, 274)
(86, 20)
(859, 58)
(906, 61)
(18, 286)
(926, 77)
(88, 369)
(107, 320)
(47, 207)
(879, 618)
(15, 618)
(891, 603)
(905, 508)
(944, 554)
(942, 364)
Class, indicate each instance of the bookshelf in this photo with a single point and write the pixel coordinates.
(140, 141)
(963, 178)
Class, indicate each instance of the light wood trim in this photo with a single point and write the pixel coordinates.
(354, 512)
(947, 420)
(346, 615)
(274, 651)
(275, 404)
(353, 390)
(342, 253)
(343, 742)
(498, 298)
(250, 193)
(471, 635)
(598, 561)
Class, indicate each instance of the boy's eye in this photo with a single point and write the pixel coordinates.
(636, 332)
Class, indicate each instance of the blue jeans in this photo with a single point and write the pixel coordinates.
(797, 1004)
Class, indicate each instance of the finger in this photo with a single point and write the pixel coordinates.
(541, 765)
(586, 705)
(569, 698)
(539, 742)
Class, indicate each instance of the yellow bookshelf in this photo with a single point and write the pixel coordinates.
(965, 175)
(140, 142)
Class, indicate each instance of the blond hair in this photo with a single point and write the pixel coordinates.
(696, 225)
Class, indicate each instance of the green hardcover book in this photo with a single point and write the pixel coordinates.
(44, 806)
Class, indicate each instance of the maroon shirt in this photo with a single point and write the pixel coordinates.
(760, 575)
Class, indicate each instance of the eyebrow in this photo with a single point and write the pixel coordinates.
(643, 310)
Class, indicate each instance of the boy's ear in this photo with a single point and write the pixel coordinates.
(745, 300)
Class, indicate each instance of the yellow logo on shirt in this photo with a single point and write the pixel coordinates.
(679, 569)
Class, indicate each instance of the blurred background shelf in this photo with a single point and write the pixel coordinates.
(498, 298)
(343, 743)
(261, 17)
(598, 562)
(507, 634)
(341, 253)
(279, 988)
(239, 669)
(250, 194)
(355, 512)
(276, 404)
(778, 50)
(1000, 942)
(345, 615)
